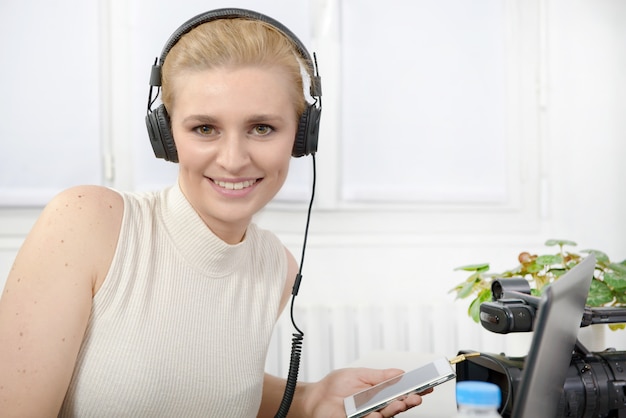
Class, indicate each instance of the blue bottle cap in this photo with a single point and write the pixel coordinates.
(478, 393)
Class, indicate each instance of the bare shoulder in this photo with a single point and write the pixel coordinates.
(83, 224)
(85, 209)
(85, 202)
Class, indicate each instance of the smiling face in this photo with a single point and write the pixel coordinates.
(234, 129)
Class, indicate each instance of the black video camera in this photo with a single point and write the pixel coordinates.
(595, 385)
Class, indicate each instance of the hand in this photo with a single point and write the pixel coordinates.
(324, 399)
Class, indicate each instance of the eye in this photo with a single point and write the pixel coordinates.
(205, 130)
(263, 130)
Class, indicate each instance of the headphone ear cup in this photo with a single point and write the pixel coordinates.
(308, 132)
(160, 133)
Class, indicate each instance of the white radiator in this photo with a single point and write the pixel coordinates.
(335, 337)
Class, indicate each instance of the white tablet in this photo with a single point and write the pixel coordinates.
(399, 387)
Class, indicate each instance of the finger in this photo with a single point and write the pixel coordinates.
(400, 406)
(426, 392)
(413, 400)
(374, 376)
(393, 408)
(389, 373)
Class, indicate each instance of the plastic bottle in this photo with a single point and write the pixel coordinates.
(478, 399)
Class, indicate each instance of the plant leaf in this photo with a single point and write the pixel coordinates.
(618, 268)
(533, 267)
(601, 257)
(465, 290)
(620, 298)
(474, 308)
(558, 272)
(599, 294)
(615, 281)
(547, 260)
(481, 267)
(553, 242)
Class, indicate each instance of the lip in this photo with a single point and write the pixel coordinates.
(238, 187)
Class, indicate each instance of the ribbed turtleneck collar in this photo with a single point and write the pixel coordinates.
(193, 238)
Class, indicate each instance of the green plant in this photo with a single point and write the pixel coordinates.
(608, 287)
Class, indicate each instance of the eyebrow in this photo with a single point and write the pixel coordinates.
(264, 118)
(200, 119)
(260, 118)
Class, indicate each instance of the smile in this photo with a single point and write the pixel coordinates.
(234, 186)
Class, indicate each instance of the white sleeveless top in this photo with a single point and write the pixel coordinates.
(182, 322)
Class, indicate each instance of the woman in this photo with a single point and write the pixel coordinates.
(162, 304)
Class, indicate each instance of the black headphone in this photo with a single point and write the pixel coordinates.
(158, 121)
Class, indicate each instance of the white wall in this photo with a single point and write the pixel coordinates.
(571, 151)
(582, 130)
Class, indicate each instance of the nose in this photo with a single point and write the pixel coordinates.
(233, 153)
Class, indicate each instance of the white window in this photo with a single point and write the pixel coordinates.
(430, 115)
(50, 83)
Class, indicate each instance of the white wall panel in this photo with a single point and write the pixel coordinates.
(50, 108)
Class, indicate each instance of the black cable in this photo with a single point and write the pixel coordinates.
(296, 342)
(150, 99)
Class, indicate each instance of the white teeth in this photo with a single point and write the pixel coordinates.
(235, 186)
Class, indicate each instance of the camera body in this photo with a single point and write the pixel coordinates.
(595, 384)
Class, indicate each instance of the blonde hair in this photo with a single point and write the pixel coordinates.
(234, 42)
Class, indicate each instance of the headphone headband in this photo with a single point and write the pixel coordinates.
(234, 13)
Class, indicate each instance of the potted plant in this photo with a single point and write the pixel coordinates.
(608, 287)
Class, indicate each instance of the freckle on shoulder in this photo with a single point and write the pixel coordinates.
(80, 197)
(84, 205)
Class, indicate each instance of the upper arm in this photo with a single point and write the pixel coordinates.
(46, 302)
